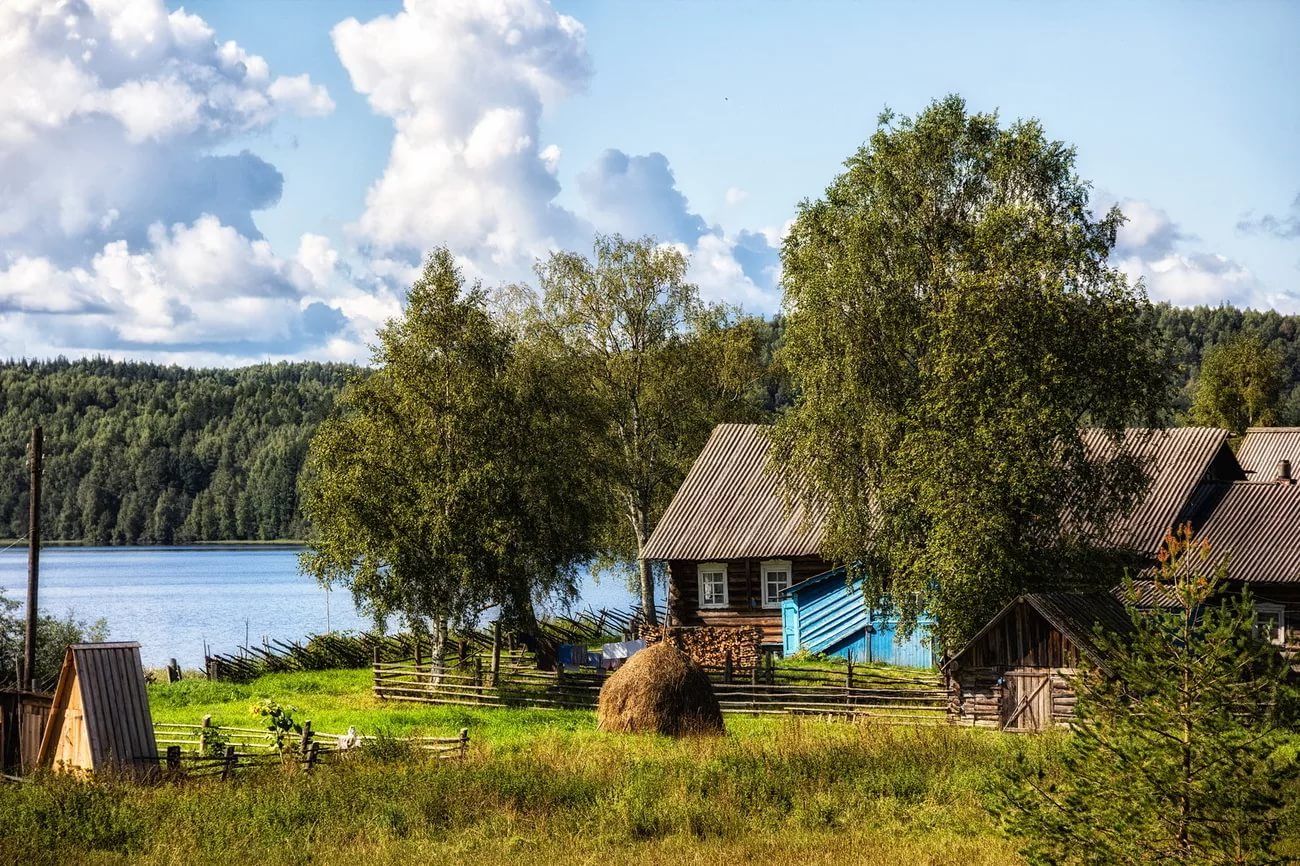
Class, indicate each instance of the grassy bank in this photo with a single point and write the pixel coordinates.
(538, 785)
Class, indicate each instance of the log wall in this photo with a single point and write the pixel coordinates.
(744, 593)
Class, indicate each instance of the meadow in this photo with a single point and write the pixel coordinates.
(538, 785)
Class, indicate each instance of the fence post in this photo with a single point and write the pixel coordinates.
(771, 669)
(848, 673)
(496, 653)
(726, 668)
(229, 766)
(374, 668)
(203, 734)
(306, 737)
(173, 671)
(464, 742)
(173, 757)
(312, 754)
(478, 671)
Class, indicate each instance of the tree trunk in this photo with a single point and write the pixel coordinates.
(438, 646)
(645, 575)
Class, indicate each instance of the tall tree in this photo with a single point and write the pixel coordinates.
(1173, 758)
(952, 323)
(454, 477)
(663, 367)
(1240, 384)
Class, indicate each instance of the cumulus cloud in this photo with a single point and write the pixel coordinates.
(1285, 227)
(1151, 247)
(465, 83)
(639, 195)
(735, 195)
(107, 120)
(199, 287)
(122, 229)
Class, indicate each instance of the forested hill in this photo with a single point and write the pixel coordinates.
(146, 454)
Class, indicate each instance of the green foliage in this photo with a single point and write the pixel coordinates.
(279, 720)
(1239, 385)
(53, 635)
(660, 367)
(457, 475)
(140, 453)
(1181, 752)
(952, 324)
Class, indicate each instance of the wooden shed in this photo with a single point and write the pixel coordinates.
(22, 723)
(99, 719)
(1016, 674)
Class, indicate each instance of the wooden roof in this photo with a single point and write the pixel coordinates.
(114, 704)
(1264, 447)
(1179, 458)
(1256, 524)
(1076, 615)
(730, 506)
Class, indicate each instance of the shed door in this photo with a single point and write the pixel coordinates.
(1026, 700)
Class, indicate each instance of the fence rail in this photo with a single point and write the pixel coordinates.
(852, 693)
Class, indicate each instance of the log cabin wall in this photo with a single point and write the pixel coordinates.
(744, 593)
(1020, 643)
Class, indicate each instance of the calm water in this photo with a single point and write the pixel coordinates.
(174, 599)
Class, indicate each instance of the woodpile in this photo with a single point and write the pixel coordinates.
(708, 646)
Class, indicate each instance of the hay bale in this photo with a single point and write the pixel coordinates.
(659, 690)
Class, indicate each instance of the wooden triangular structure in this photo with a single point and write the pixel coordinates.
(100, 716)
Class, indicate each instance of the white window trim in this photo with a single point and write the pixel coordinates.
(1268, 607)
(774, 565)
(726, 593)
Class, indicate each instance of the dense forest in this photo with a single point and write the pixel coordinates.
(140, 453)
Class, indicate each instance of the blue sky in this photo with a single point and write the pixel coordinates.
(703, 123)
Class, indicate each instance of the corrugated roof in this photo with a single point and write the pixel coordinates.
(1264, 447)
(1180, 458)
(1256, 524)
(1074, 614)
(730, 506)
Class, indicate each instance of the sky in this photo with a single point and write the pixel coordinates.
(232, 181)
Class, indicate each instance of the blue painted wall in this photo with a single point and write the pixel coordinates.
(827, 615)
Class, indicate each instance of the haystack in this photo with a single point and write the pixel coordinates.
(659, 690)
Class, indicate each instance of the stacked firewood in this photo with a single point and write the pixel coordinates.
(708, 646)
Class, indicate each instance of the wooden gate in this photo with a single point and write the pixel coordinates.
(1026, 700)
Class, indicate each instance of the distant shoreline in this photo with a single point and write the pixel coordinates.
(21, 544)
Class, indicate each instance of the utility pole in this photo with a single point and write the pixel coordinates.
(33, 558)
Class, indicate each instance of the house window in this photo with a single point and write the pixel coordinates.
(1272, 621)
(776, 577)
(713, 585)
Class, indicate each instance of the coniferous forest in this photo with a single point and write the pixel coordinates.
(140, 453)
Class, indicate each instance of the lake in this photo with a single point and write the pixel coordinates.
(173, 600)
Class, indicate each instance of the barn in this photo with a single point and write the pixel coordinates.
(99, 718)
(826, 614)
(1015, 674)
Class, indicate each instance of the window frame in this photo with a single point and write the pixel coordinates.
(713, 568)
(1276, 635)
(770, 565)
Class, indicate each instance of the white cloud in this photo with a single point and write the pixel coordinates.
(1151, 247)
(108, 116)
(465, 83)
(735, 195)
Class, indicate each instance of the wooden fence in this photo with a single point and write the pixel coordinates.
(195, 751)
(786, 689)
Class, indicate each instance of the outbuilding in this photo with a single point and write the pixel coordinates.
(828, 614)
(1017, 673)
(99, 719)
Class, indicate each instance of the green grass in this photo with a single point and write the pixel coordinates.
(538, 786)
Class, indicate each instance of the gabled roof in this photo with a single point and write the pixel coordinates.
(1256, 524)
(1075, 615)
(1179, 459)
(114, 706)
(1264, 447)
(731, 507)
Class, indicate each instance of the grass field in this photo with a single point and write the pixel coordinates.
(537, 786)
